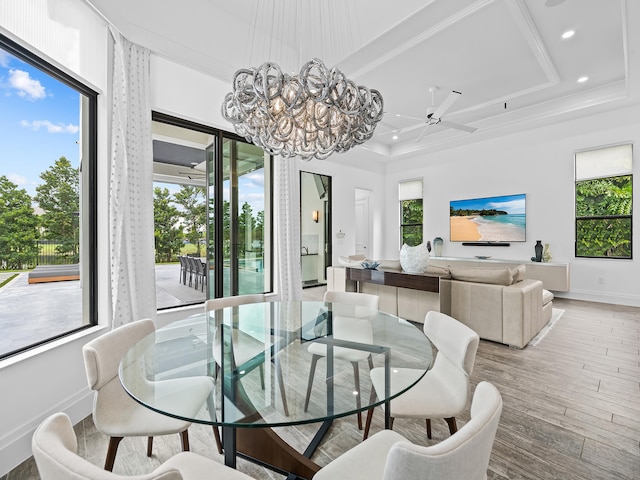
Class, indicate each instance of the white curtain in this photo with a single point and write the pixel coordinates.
(287, 221)
(133, 286)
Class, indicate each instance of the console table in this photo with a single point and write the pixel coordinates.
(406, 295)
(395, 278)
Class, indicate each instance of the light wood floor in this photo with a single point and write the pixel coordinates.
(571, 408)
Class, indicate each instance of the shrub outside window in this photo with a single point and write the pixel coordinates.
(604, 199)
(411, 212)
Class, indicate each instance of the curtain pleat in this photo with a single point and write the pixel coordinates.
(131, 186)
(289, 280)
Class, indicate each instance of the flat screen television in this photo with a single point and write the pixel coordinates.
(491, 219)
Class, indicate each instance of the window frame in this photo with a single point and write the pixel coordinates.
(410, 190)
(88, 200)
(579, 219)
(218, 228)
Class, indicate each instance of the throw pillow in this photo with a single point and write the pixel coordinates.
(495, 276)
(518, 273)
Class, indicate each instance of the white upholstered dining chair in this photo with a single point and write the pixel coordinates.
(345, 328)
(245, 347)
(387, 455)
(443, 391)
(115, 413)
(55, 446)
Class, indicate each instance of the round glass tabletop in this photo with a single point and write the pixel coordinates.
(272, 364)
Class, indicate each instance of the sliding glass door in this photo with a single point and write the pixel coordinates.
(214, 190)
(240, 188)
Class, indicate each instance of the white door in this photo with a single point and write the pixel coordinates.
(362, 226)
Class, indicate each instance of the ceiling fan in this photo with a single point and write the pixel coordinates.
(435, 113)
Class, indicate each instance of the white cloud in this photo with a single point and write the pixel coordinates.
(51, 128)
(16, 179)
(25, 85)
(4, 58)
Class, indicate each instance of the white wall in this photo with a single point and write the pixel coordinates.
(539, 163)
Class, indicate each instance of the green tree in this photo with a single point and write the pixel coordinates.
(194, 213)
(603, 217)
(59, 197)
(18, 227)
(411, 227)
(167, 235)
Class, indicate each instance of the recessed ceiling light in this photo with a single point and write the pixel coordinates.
(568, 34)
(395, 137)
(583, 79)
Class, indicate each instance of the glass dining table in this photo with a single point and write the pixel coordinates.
(258, 361)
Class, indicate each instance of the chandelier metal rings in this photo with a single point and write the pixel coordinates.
(312, 114)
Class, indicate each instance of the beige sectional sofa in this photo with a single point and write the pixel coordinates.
(498, 303)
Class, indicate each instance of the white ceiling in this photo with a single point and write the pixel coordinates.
(507, 57)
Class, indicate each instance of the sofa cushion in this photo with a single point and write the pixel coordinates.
(518, 273)
(351, 260)
(392, 264)
(547, 296)
(495, 276)
(440, 271)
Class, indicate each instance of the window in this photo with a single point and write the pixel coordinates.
(411, 212)
(193, 162)
(604, 199)
(47, 201)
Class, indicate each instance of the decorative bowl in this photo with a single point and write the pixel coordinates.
(370, 265)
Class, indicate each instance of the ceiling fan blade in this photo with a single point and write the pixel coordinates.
(424, 130)
(444, 106)
(458, 126)
(408, 117)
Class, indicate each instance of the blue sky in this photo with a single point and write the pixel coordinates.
(39, 119)
(512, 204)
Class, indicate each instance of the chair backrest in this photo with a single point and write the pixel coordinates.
(454, 340)
(54, 445)
(219, 303)
(464, 455)
(353, 298)
(102, 355)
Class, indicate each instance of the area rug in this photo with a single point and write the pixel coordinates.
(556, 314)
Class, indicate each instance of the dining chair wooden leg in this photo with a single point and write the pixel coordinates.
(356, 380)
(216, 437)
(312, 372)
(149, 446)
(261, 369)
(367, 424)
(184, 437)
(453, 427)
(428, 421)
(111, 452)
(285, 407)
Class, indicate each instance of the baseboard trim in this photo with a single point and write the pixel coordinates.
(15, 446)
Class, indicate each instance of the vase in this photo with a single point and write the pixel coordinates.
(546, 254)
(414, 259)
(437, 247)
(538, 249)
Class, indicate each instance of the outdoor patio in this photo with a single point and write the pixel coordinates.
(36, 312)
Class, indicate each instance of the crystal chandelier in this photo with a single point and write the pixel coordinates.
(312, 114)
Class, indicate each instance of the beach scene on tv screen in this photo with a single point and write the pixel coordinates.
(491, 219)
